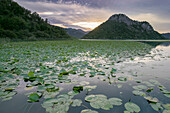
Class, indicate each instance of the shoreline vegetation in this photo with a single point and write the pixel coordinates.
(124, 40)
(20, 24)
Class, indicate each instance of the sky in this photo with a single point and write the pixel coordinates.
(88, 14)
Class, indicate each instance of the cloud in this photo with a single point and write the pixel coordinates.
(161, 24)
(85, 14)
(69, 14)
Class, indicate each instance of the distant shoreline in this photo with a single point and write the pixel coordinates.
(124, 40)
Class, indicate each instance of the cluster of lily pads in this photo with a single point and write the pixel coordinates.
(44, 66)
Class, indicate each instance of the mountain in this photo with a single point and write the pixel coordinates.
(121, 27)
(18, 23)
(77, 33)
(166, 35)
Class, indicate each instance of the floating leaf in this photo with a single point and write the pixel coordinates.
(156, 106)
(127, 112)
(166, 111)
(166, 106)
(88, 111)
(151, 99)
(155, 82)
(167, 95)
(92, 98)
(34, 97)
(101, 101)
(122, 79)
(84, 83)
(76, 102)
(6, 99)
(149, 90)
(78, 88)
(115, 101)
(148, 83)
(132, 107)
(30, 74)
(139, 87)
(137, 92)
(113, 71)
(89, 88)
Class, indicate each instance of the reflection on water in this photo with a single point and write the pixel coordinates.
(140, 70)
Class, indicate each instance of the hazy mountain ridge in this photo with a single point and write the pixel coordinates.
(166, 35)
(77, 33)
(18, 23)
(119, 26)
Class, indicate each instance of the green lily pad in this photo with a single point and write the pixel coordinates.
(166, 111)
(151, 99)
(101, 101)
(127, 112)
(6, 99)
(78, 88)
(139, 87)
(89, 88)
(92, 98)
(167, 95)
(76, 102)
(34, 97)
(132, 107)
(156, 106)
(115, 101)
(30, 74)
(140, 93)
(113, 70)
(122, 79)
(84, 83)
(88, 111)
(155, 82)
(166, 106)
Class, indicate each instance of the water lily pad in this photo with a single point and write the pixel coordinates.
(92, 98)
(167, 95)
(6, 99)
(166, 106)
(149, 90)
(30, 74)
(132, 107)
(76, 102)
(84, 83)
(148, 83)
(113, 70)
(155, 82)
(151, 99)
(140, 93)
(127, 112)
(101, 101)
(89, 88)
(139, 87)
(73, 93)
(156, 106)
(78, 88)
(166, 111)
(115, 101)
(122, 79)
(34, 97)
(88, 111)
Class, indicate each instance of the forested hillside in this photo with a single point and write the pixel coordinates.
(18, 23)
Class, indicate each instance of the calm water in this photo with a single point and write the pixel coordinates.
(153, 66)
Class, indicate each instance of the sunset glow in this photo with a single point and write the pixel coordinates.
(88, 25)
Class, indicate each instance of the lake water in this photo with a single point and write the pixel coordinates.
(133, 72)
